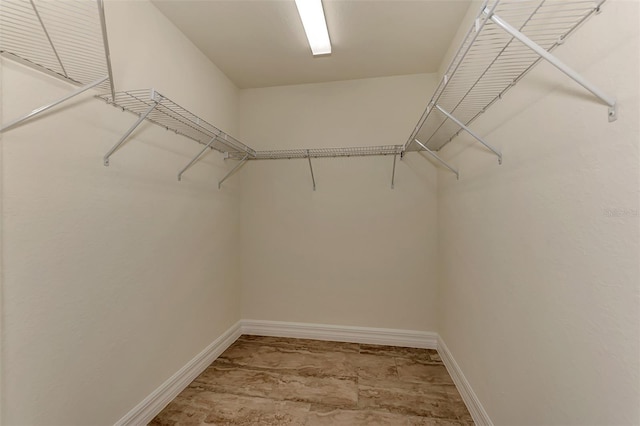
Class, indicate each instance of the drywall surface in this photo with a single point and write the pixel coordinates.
(540, 292)
(1, 256)
(353, 252)
(114, 278)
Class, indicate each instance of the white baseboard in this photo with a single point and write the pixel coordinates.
(146, 410)
(477, 411)
(340, 333)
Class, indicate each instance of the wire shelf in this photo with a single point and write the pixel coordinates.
(66, 39)
(328, 152)
(490, 61)
(177, 119)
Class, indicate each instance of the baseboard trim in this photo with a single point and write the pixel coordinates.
(148, 408)
(339, 333)
(477, 411)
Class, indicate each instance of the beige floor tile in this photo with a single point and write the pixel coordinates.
(308, 344)
(418, 398)
(300, 361)
(427, 356)
(436, 404)
(198, 407)
(341, 417)
(181, 413)
(411, 371)
(338, 392)
(369, 366)
(231, 410)
(279, 381)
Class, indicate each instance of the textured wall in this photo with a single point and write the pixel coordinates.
(114, 277)
(354, 252)
(539, 298)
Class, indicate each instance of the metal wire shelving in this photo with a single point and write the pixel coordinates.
(68, 40)
(508, 38)
(65, 39)
(328, 152)
(364, 151)
(150, 105)
(160, 110)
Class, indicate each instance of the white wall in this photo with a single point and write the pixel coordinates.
(354, 252)
(540, 292)
(114, 277)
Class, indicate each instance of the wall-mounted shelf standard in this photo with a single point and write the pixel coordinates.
(65, 39)
(150, 105)
(508, 38)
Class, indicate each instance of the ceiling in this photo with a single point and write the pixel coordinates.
(259, 43)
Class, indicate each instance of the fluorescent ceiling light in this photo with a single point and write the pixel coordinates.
(315, 26)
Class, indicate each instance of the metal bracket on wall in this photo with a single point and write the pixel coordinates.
(52, 104)
(237, 166)
(434, 155)
(46, 33)
(468, 130)
(66, 41)
(393, 172)
(493, 57)
(128, 133)
(163, 112)
(197, 157)
(313, 179)
(553, 60)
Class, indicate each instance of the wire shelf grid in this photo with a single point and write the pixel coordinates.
(177, 119)
(65, 39)
(490, 61)
(328, 152)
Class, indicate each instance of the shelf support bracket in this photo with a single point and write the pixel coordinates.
(196, 158)
(126, 135)
(236, 167)
(52, 104)
(471, 132)
(105, 43)
(393, 173)
(46, 33)
(613, 111)
(440, 160)
(313, 179)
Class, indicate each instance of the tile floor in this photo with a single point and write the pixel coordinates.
(278, 381)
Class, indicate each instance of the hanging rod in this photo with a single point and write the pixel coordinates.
(64, 39)
(493, 57)
(150, 105)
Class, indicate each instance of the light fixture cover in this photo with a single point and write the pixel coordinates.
(315, 26)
